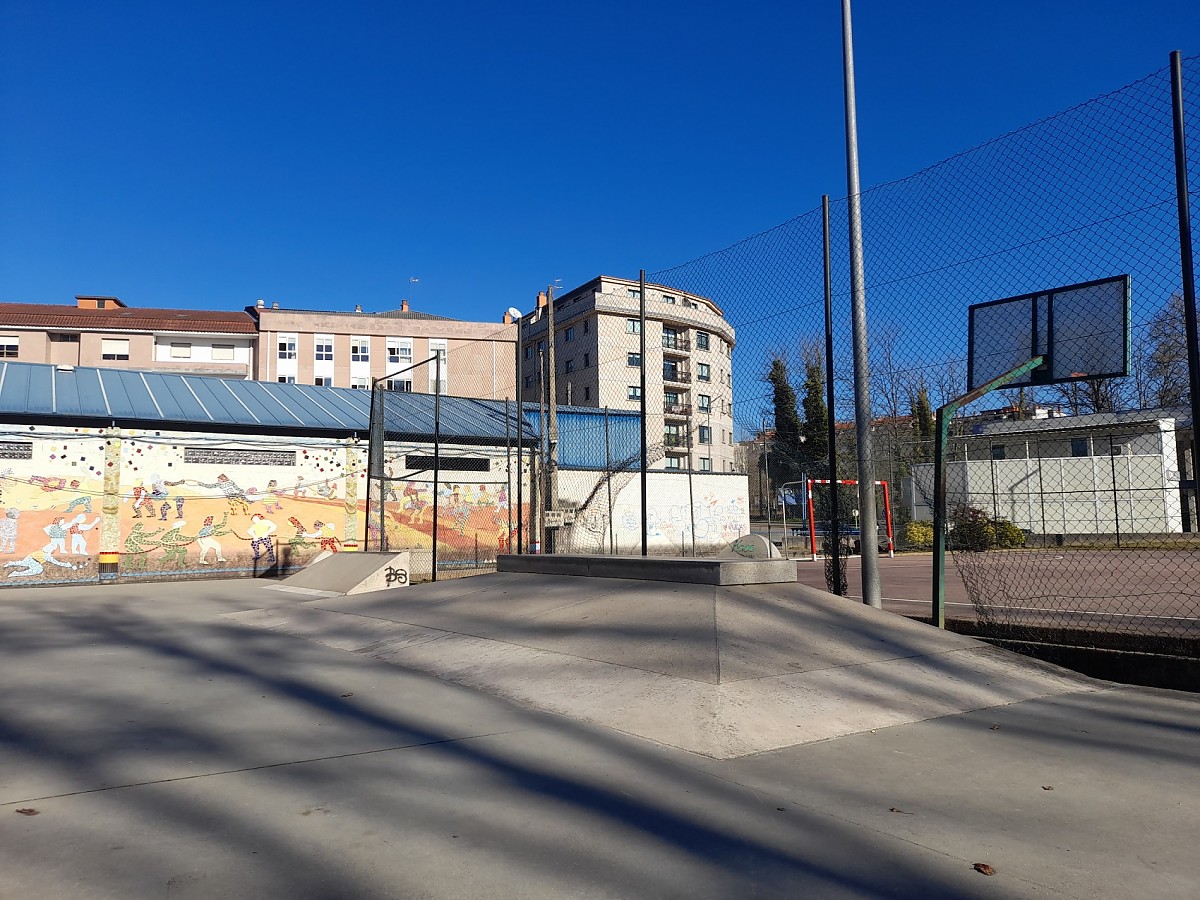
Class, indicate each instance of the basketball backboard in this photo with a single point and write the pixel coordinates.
(1081, 331)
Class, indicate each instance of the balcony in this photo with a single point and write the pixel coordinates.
(675, 442)
(676, 375)
(682, 410)
(676, 344)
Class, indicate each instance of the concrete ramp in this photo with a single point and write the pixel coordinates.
(342, 574)
(723, 671)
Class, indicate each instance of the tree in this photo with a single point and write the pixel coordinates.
(816, 415)
(923, 424)
(1167, 356)
(786, 453)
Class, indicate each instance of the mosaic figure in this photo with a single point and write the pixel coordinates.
(260, 531)
(8, 530)
(78, 538)
(175, 543)
(27, 567)
(234, 495)
(207, 536)
(138, 545)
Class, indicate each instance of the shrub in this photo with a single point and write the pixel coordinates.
(971, 529)
(917, 535)
(1007, 535)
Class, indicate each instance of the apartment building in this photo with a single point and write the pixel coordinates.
(349, 349)
(104, 332)
(597, 362)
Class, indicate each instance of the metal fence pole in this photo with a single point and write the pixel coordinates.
(518, 387)
(437, 453)
(645, 446)
(831, 421)
(1185, 262)
(608, 478)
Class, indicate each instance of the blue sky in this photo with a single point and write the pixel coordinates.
(322, 155)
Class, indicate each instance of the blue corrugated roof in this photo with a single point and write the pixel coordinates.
(34, 392)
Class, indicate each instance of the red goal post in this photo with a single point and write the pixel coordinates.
(887, 512)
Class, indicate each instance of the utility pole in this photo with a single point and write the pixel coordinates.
(858, 303)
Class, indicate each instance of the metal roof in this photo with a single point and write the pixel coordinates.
(38, 393)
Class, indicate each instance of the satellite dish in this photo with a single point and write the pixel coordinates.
(514, 312)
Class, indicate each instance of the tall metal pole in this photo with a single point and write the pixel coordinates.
(1185, 261)
(608, 477)
(508, 491)
(645, 446)
(858, 301)
(830, 420)
(767, 476)
(691, 491)
(540, 528)
(437, 450)
(551, 501)
(518, 386)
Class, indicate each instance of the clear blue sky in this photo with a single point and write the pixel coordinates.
(322, 154)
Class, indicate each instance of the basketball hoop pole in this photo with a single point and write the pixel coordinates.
(942, 428)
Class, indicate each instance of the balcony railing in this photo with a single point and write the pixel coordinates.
(675, 441)
(677, 409)
(677, 376)
(676, 343)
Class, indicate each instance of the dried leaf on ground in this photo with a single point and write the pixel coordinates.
(984, 869)
(27, 812)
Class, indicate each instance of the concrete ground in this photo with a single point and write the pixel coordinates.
(173, 747)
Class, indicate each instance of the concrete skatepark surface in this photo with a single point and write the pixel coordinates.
(173, 747)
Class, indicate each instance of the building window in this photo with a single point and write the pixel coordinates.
(705, 434)
(10, 346)
(704, 372)
(633, 392)
(528, 381)
(1079, 447)
(64, 338)
(587, 325)
(359, 384)
(569, 366)
(633, 359)
(672, 462)
(360, 349)
(569, 334)
(541, 347)
(323, 348)
(704, 403)
(222, 352)
(668, 298)
(670, 399)
(670, 370)
(438, 347)
(323, 381)
(403, 385)
(114, 348)
(399, 351)
(633, 292)
(997, 451)
(633, 326)
(528, 353)
(286, 379)
(287, 346)
(587, 394)
(587, 360)
(670, 338)
(181, 350)
(705, 464)
(701, 340)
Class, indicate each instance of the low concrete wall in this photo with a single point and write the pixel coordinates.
(685, 570)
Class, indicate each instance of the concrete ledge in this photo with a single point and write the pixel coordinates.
(681, 569)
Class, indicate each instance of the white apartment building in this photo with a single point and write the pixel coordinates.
(597, 362)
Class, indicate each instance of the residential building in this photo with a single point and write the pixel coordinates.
(349, 349)
(104, 332)
(597, 363)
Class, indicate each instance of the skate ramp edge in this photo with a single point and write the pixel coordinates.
(340, 574)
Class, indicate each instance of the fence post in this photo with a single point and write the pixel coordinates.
(1185, 261)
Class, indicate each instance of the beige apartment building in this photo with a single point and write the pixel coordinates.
(104, 332)
(597, 360)
(349, 349)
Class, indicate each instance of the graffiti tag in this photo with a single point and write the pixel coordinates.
(395, 576)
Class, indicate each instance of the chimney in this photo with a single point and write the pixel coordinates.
(275, 305)
(507, 320)
(403, 306)
(541, 299)
(358, 307)
(261, 304)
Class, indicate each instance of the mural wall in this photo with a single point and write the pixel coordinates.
(95, 504)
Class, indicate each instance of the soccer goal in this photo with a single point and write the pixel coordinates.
(845, 529)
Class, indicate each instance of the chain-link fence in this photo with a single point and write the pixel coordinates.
(1070, 500)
